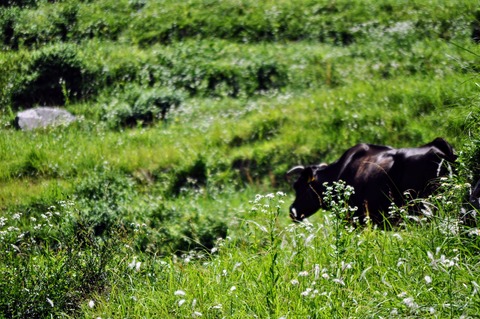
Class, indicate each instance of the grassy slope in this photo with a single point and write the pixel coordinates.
(342, 73)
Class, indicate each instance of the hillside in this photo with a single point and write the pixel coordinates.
(187, 110)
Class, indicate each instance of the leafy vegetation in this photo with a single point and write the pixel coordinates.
(148, 205)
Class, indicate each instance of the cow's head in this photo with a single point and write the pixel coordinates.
(308, 191)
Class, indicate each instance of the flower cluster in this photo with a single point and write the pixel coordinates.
(265, 203)
(337, 195)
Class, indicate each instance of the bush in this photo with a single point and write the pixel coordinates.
(193, 176)
(204, 71)
(7, 31)
(103, 199)
(19, 3)
(109, 200)
(48, 24)
(54, 76)
(138, 106)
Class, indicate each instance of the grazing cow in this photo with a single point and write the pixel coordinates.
(379, 175)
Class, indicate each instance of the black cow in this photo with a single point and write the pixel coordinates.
(379, 175)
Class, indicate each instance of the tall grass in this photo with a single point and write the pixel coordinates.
(322, 269)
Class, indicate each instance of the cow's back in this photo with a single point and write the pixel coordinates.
(418, 169)
(365, 167)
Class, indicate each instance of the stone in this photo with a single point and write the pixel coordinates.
(42, 117)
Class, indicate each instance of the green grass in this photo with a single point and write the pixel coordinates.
(135, 213)
(266, 269)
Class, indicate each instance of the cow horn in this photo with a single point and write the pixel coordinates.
(295, 170)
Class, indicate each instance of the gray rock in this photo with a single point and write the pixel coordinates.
(42, 117)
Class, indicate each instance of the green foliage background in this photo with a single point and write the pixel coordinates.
(188, 109)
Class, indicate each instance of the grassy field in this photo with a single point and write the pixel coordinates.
(167, 198)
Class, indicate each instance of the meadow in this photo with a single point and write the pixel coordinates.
(168, 198)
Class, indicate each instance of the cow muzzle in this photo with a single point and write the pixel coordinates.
(295, 216)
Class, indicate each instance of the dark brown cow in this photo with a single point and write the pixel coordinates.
(379, 175)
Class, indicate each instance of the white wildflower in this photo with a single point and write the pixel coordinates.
(409, 302)
(179, 293)
(325, 276)
(294, 282)
(91, 303)
(303, 273)
(365, 272)
(133, 263)
(428, 279)
(181, 302)
(339, 281)
(50, 302)
(233, 288)
(219, 306)
(309, 239)
(137, 266)
(317, 271)
(474, 232)
(346, 265)
(16, 216)
(397, 236)
(196, 314)
(306, 292)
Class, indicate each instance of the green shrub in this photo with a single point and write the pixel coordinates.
(193, 176)
(19, 3)
(105, 19)
(47, 24)
(53, 76)
(138, 106)
(103, 199)
(109, 200)
(7, 31)
(179, 227)
(207, 71)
